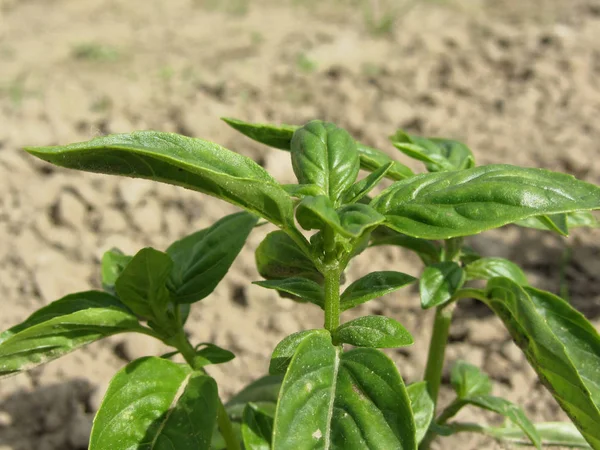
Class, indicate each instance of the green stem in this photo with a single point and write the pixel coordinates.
(450, 411)
(437, 349)
(181, 342)
(332, 296)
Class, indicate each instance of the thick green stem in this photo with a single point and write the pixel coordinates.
(332, 296)
(225, 427)
(437, 349)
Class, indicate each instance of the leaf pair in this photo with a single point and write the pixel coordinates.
(351, 400)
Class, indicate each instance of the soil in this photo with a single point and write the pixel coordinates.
(518, 81)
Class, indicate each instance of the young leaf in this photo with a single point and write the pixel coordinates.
(211, 354)
(422, 407)
(317, 213)
(303, 288)
(461, 203)
(155, 403)
(373, 285)
(279, 257)
(285, 350)
(113, 263)
(63, 326)
(280, 137)
(560, 344)
(364, 186)
(192, 163)
(563, 434)
(467, 380)
(428, 251)
(142, 284)
(257, 428)
(373, 331)
(437, 154)
(351, 401)
(488, 268)
(357, 219)
(325, 155)
(202, 259)
(508, 410)
(303, 190)
(439, 283)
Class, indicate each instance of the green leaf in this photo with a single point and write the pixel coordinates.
(192, 163)
(422, 406)
(488, 268)
(450, 204)
(560, 344)
(364, 186)
(113, 263)
(262, 392)
(468, 255)
(428, 251)
(279, 257)
(557, 223)
(508, 410)
(437, 154)
(357, 219)
(142, 284)
(280, 137)
(257, 428)
(467, 380)
(202, 259)
(325, 155)
(373, 285)
(372, 159)
(61, 327)
(303, 190)
(153, 403)
(303, 288)
(439, 283)
(211, 354)
(552, 434)
(350, 401)
(318, 213)
(285, 350)
(373, 331)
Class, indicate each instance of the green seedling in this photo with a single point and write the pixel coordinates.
(331, 387)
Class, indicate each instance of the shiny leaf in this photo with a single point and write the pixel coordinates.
(373, 285)
(202, 259)
(303, 190)
(488, 268)
(357, 219)
(113, 263)
(211, 354)
(439, 283)
(325, 155)
(142, 284)
(285, 350)
(318, 213)
(560, 344)
(351, 401)
(61, 327)
(364, 186)
(303, 288)
(373, 331)
(422, 407)
(437, 154)
(280, 136)
(461, 203)
(154, 403)
(192, 163)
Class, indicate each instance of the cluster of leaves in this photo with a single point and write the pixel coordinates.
(319, 394)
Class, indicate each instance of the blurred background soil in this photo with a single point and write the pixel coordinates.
(518, 81)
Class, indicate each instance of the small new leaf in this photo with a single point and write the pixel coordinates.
(439, 283)
(488, 268)
(467, 380)
(364, 186)
(113, 263)
(318, 213)
(373, 331)
(357, 219)
(373, 285)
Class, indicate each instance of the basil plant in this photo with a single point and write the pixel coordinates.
(332, 387)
